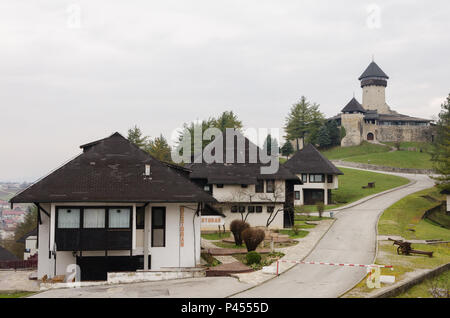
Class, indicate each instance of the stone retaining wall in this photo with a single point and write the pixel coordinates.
(382, 168)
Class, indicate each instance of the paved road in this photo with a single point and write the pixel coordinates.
(351, 239)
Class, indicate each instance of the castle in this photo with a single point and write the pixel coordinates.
(374, 120)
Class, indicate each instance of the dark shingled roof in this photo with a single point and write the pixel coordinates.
(373, 70)
(6, 255)
(400, 117)
(111, 170)
(353, 106)
(310, 160)
(236, 173)
(445, 191)
(209, 210)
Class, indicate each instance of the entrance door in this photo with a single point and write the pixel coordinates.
(370, 136)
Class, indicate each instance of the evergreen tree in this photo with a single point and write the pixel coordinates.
(441, 147)
(160, 149)
(333, 132)
(304, 119)
(227, 120)
(268, 143)
(29, 223)
(136, 136)
(287, 149)
(323, 139)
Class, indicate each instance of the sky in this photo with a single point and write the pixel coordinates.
(76, 71)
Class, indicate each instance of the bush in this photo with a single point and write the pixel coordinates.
(320, 208)
(296, 229)
(237, 227)
(252, 238)
(253, 258)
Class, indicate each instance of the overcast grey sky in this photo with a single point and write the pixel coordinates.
(76, 71)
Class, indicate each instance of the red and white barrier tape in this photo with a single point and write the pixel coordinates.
(332, 264)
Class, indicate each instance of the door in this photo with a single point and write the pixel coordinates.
(370, 136)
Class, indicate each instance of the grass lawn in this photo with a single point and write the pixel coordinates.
(15, 294)
(399, 159)
(292, 235)
(215, 236)
(266, 259)
(299, 218)
(422, 290)
(406, 215)
(363, 149)
(405, 145)
(350, 187)
(397, 220)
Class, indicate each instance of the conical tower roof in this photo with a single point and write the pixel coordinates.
(373, 70)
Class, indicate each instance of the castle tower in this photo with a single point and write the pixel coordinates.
(373, 83)
(352, 119)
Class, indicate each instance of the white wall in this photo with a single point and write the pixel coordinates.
(312, 185)
(172, 255)
(235, 193)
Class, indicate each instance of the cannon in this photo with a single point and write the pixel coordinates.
(404, 248)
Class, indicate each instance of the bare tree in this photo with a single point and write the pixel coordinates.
(277, 197)
(238, 198)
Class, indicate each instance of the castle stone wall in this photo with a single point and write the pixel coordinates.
(353, 124)
(405, 133)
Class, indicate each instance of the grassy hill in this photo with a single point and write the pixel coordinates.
(410, 155)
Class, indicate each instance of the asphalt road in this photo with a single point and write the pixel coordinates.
(351, 239)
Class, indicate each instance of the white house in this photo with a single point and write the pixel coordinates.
(318, 174)
(243, 191)
(30, 242)
(116, 208)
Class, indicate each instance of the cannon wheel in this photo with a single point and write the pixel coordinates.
(400, 251)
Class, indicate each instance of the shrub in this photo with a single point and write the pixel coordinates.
(237, 227)
(320, 208)
(296, 229)
(252, 238)
(253, 258)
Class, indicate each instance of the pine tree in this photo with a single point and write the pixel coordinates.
(268, 144)
(227, 120)
(136, 136)
(323, 139)
(287, 149)
(160, 149)
(333, 132)
(441, 147)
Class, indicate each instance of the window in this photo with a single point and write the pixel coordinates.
(305, 177)
(316, 178)
(297, 195)
(270, 208)
(241, 209)
(258, 209)
(259, 187)
(234, 209)
(270, 188)
(140, 217)
(119, 218)
(68, 218)
(251, 209)
(244, 185)
(94, 218)
(206, 188)
(158, 227)
(330, 178)
(220, 186)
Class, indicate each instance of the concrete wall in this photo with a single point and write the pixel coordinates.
(235, 193)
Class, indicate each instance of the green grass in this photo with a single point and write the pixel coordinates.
(406, 215)
(405, 145)
(422, 290)
(312, 218)
(350, 187)
(399, 159)
(15, 294)
(346, 152)
(292, 235)
(215, 236)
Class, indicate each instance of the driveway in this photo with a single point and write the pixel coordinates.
(351, 239)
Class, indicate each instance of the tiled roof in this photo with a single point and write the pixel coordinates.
(353, 106)
(310, 160)
(373, 70)
(112, 170)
